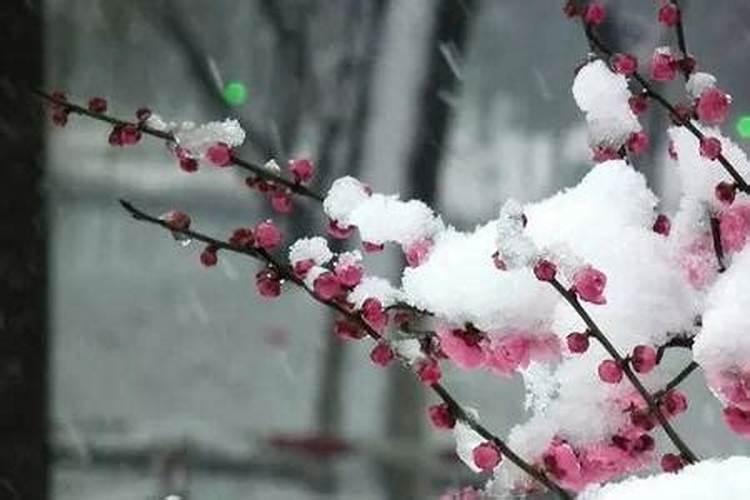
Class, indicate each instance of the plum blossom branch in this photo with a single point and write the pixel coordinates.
(650, 91)
(249, 166)
(599, 335)
(287, 273)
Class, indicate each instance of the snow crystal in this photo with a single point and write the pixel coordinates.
(374, 287)
(379, 218)
(383, 219)
(345, 194)
(460, 284)
(515, 248)
(409, 349)
(349, 258)
(198, 139)
(272, 166)
(156, 122)
(698, 82)
(727, 479)
(603, 95)
(315, 248)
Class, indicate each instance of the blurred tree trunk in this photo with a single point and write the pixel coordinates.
(24, 456)
(451, 30)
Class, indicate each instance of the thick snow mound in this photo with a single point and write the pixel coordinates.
(712, 479)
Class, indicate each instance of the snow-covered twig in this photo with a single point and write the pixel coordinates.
(599, 335)
(257, 170)
(287, 273)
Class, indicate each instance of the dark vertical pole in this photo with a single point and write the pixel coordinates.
(405, 398)
(24, 454)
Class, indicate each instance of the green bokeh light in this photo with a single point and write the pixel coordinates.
(235, 93)
(743, 127)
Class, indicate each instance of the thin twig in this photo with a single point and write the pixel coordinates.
(254, 168)
(286, 273)
(683, 341)
(680, 30)
(718, 247)
(678, 379)
(597, 333)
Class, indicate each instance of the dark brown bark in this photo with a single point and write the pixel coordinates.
(23, 259)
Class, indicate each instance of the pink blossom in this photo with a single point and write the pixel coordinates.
(374, 314)
(562, 463)
(738, 420)
(610, 371)
(219, 154)
(441, 416)
(268, 283)
(638, 104)
(302, 170)
(638, 143)
(349, 273)
(372, 247)
(710, 147)
(382, 354)
(208, 256)
(671, 463)
(498, 262)
(545, 270)
(726, 192)
(486, 456)
(713, 106)
(594, 14)
(589, 284)
(281, 202)
(733, 386)
(663, 66)
(625, 64)
(428, 371)
(97, 105)
(605, 462)
(734, 224)
(669, 14)
(417, 252)
(674, 402)
(176, 220)
(662, 225)
(605, 153)
(578, 342)
(302, 267)
(188, 165)
(643, 358)
(327, 286)
(267, 235)
(698, 261)
(347, 330)
(509, 353)
(461, 348)
(338, 231)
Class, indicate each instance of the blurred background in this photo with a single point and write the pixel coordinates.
(166, 380)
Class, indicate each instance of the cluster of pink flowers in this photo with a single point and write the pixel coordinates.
(632, 447)
(502, 353)
(733, 387)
